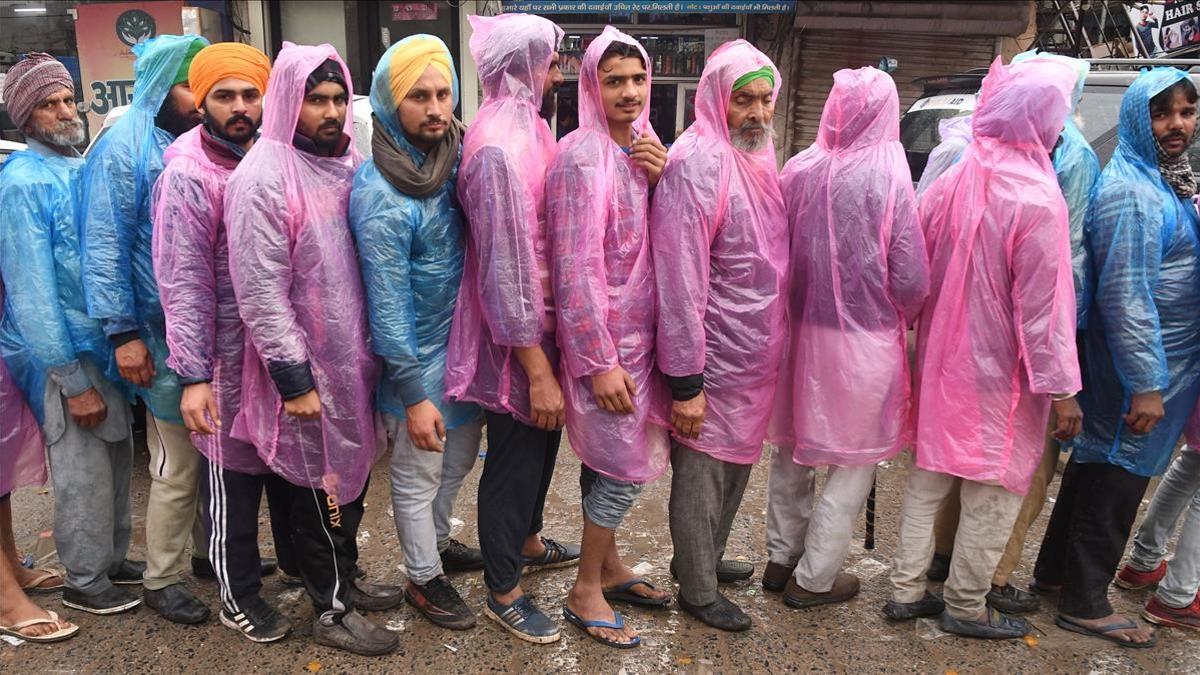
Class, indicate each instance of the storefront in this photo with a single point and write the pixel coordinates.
(678, 43)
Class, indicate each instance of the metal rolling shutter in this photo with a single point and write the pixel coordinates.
(823, 52)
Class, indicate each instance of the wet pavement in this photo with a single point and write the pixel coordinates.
(848, 637)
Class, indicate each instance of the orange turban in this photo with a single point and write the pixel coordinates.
(227, 59)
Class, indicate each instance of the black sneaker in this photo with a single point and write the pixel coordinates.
(111, 601)
(202, 568)
(440, 603)
(556, 555)
(1012, 600)
(257, 621)
(458, 557)
(177, 604)
(130, 573)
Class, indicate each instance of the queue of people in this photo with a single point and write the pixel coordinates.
(289, 311)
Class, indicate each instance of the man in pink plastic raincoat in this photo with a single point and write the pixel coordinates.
(206, 336)
(996, 344)
(597, 204)
(308, 374)
(858, 277)
(502, 354)
(719, 236)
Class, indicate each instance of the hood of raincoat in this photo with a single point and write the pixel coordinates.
(384, 103)
(729, 62)
(1023, 107)
(1080, 67)
(285, 91)
(862, 110)
(591, 106)
(158, 59)
(512, 54)
(1135, 136)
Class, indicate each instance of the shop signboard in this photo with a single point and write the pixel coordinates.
(1165, 28)
(105, 34)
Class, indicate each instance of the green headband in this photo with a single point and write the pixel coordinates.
(181, 75)
(765, 73)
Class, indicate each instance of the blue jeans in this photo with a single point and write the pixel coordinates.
(1179, 490)
(606, 500)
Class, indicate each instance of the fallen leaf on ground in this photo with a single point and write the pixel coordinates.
(313, 666)
(1031, 641)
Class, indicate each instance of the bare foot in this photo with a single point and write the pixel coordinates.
(612, 577)
(28, 611)
(591, 606)
(1138, 635)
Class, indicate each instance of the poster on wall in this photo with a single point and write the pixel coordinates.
(105, 34)
(1165, 28)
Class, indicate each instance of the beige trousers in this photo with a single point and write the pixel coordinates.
(173, 510)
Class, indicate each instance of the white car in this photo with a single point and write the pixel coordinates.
(362, 125)
(7, 148)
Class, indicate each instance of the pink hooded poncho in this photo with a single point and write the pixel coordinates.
(505, 300)
(997, 334)
(597, 203)
(858, 277)
(300, 294)
(204, 332)
(22, 453)
(719, 236)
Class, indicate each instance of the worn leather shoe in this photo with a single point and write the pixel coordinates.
(1012, 600)
(458, 557)
(930, 605)
(371, 597)
(728, 571)
(994, 625)
(845, 586)
(775, 577)
(176, 603)
(722, 614)
(355, 634)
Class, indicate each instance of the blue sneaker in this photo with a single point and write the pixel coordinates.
(523, 619)
(554, 556)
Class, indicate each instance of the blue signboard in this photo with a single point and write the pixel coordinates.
(651, 6)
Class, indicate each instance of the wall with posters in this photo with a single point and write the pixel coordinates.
(105, 34)
(1169, 28)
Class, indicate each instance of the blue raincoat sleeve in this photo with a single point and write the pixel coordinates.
(111, 190)
(186, 273)
(513, 303)
(27, 264)
(1124, 233)
(383, 230)
(1077, 168)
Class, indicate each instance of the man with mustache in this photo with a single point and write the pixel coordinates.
(719, 238)
(597, 207)
(121, 291)
(57, 354)
(409, 232)
(1142, 377)
(308, 372)
(502, 352)
(205, 334)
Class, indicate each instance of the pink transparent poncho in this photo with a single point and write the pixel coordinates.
(204, 332)
(22, 454)
(597, 204)
(997, 335)
(858, 278)
(299, 292)
(505, 300)
(719, 236)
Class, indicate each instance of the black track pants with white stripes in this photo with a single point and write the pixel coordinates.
(323, 533)
(231, 502)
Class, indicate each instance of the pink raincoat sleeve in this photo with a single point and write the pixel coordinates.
(185, 222)
(502, 226)
(1043, 297)
(577, 204)
(908, 264)
(687, 207)
(260, 264)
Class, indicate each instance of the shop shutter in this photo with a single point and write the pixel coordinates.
(823, 52)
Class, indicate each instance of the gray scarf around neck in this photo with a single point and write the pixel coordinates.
(1177, 171)
(397, 165)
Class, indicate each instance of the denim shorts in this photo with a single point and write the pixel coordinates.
(606, 500)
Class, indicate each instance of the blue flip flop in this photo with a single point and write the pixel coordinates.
(624, 593)
(617, 623)
(1106, 632)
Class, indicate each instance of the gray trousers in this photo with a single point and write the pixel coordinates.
(90, 470)
(424, 487)
(1178, 492)
(705, 496)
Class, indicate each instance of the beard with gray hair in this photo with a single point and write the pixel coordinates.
(68, 133)
(752, 136)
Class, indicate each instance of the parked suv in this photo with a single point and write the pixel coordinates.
(1099, 109)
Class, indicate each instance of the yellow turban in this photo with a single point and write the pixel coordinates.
(227, 59)
(410, 59)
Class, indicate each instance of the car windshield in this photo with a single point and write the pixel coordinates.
(919, 134)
